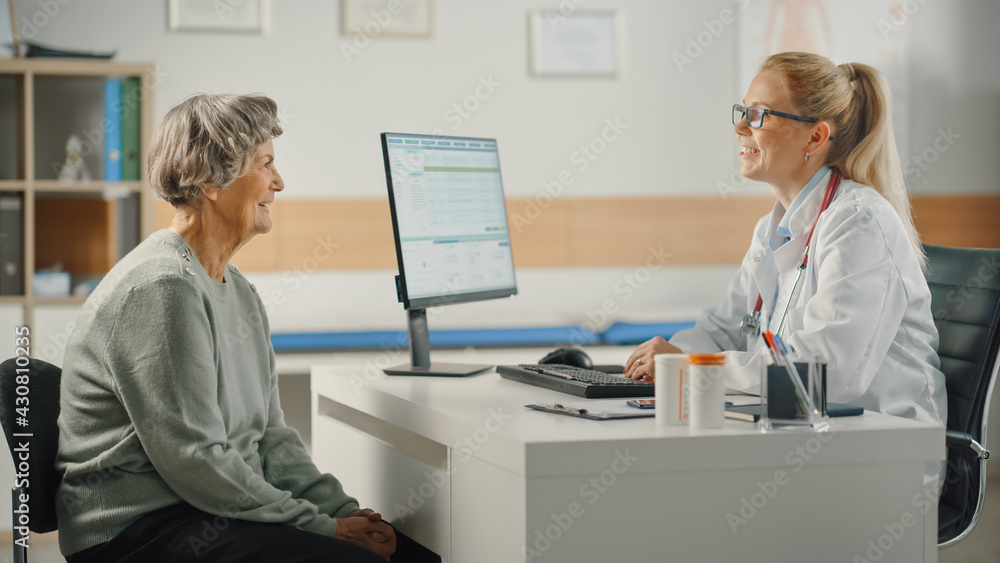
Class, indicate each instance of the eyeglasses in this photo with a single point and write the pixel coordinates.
(755, 116)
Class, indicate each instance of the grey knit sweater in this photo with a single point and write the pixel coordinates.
(169, 394)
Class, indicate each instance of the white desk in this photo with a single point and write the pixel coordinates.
(462, 466)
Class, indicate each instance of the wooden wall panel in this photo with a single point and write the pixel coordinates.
(540, 232)
(969, 221)
(333, 234)
(357, 233)
(163, 213)
(691, 230)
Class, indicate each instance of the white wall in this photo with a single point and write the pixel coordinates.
(678, 139)
(955, 84)
(335, 108)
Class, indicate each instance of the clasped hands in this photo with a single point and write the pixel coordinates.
(364, 527)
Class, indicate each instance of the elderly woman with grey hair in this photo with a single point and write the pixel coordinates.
(172, 440)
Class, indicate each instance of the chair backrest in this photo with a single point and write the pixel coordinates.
(965, 300)
(37, 416)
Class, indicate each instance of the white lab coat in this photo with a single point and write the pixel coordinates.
(862, 305)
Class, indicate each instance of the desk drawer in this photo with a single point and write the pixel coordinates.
(388, 469)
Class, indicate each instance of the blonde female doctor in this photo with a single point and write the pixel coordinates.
(836, 267)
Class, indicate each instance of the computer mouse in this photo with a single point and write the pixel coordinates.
(568, 356)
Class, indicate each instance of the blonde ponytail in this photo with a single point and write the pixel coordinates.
(855, 100)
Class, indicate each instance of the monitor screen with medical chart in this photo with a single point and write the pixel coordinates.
(449, 219)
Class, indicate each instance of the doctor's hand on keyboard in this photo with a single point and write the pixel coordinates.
(640, 363)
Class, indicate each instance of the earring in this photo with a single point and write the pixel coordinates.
(807, 157)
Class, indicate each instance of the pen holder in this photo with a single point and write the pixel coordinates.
(781, 405)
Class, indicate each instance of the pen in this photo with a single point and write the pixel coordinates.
(557, 374)
(780, 343)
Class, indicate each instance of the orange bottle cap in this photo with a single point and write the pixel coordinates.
(707, 359)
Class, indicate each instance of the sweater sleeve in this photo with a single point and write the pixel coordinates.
(162, 361)
(287, 464)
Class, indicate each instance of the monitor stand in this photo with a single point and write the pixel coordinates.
(420, 353)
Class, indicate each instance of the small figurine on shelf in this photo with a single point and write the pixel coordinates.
(74, 169)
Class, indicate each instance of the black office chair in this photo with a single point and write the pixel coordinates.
(965, 300)
(35, 417)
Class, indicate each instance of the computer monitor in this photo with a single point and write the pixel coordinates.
(449, 220)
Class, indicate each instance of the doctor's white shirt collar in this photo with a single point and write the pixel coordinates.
(780, 234)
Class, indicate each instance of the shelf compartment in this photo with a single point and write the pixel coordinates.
(12, 274)
(11, 127)
(84, 234)
(80, 106)
(64, 106)
(75, 233)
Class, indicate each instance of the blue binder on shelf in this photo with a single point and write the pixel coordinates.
(113, 131)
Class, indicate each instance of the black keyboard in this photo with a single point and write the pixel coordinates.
(581, 382)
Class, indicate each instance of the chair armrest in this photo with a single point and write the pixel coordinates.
(956, 438)
(953, 438)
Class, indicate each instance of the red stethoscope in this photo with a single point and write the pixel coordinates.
(751, 322)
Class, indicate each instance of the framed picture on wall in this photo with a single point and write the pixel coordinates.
(380, 18)
(581, 43)
(233, 16)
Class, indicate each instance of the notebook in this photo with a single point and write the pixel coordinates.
(751, 413)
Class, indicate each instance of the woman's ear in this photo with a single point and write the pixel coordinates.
(821, 135)
(208, 192)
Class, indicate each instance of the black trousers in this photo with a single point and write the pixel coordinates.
(183, 533)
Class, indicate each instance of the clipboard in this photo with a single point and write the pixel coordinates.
(595, 410)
